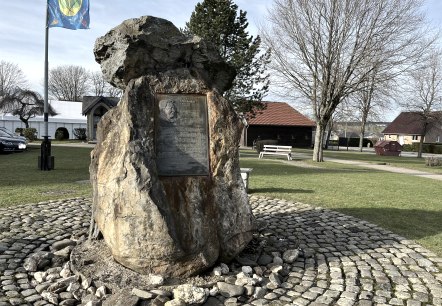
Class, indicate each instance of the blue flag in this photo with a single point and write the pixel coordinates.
(69, 14)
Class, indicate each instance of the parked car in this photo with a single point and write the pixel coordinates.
(11, 144)
(12, 134)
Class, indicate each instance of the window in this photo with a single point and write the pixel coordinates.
(415, 137)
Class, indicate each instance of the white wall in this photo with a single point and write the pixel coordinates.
(69, 116)
(11, 123)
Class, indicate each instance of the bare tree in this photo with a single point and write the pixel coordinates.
(344, 113)
(25, 104)
(11, 76)
(425, 93)
(68, 82)
(99, 86)
(372, 100)
(324, 50)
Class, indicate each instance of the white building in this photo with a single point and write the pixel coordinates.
(69, 116)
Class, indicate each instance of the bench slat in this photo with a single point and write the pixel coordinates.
(276, 150)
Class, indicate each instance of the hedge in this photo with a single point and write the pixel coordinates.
(19, 131)
(432, 148)
(61, 133)
(80, 133)
(30, 133)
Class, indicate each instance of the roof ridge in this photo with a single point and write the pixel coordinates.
(280, 114)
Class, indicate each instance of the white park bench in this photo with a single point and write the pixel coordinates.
(276, 150)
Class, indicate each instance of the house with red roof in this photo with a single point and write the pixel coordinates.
(408, 127)
(279, 121)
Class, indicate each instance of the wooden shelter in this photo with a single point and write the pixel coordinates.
(281, 122)
(94, 107)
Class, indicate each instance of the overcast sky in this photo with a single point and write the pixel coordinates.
(22, 27)
(22, 30)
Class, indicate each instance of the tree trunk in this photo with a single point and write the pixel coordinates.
(25, 121)
(421, 146)
(327, 139)
(319, 139)
(361, 135)
(329, 131)
(421, 140)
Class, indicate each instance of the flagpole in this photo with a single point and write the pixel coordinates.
(79, 21)
(46, 161)
(46, 107)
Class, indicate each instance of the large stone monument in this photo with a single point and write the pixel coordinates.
(167, 190)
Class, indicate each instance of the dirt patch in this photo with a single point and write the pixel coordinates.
(93, 260)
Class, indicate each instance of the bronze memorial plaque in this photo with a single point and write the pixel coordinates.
(182, 141)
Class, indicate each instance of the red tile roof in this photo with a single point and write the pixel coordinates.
(280, 114)
(410, 123)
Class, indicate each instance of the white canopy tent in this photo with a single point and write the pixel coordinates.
(68, 116)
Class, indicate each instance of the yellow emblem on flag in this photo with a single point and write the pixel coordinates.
(70, 7)
(69, 14)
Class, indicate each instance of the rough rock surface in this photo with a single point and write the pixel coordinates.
(148, 44)
(173, 226)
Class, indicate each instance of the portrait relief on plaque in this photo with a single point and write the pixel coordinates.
(181, 138)
(168, 110)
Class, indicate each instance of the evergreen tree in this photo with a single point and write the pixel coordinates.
(218, 21)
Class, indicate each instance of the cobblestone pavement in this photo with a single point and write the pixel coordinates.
(26, 229)
(344, 261)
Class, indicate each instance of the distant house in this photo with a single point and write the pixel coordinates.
(279, 121)
(68, 117)
(408, 128)
(351, 129)
(94, 107)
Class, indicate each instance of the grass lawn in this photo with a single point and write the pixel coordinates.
(22, 182)
(407, 205)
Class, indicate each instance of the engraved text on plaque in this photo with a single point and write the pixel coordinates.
(182, 135)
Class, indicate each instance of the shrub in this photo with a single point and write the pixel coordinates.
(333, 142)
(407, 148)
(259, 145)
(80, 133)
(61, 133)
(30, 133)
(433, 161)
(433, 148)
(19, 131)
(415, 147)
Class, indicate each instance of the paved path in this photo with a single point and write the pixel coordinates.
(387, 168)
(345, 261)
